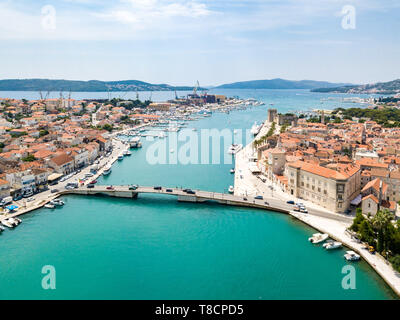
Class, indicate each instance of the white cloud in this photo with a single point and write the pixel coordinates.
(144, 11)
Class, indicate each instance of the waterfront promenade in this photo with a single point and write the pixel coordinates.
(319, 218)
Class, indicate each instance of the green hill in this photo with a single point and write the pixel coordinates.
(82, 86)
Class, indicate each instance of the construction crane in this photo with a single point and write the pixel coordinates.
(196, 87)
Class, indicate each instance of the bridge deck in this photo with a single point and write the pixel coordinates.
(271, 204)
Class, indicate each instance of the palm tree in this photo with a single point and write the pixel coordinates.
(380, 223)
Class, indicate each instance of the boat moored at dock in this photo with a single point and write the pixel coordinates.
(330, 244)
(351, 256)
(318, 237)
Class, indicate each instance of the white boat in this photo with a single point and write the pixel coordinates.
(351, 256)
(135, 142)
(57, 202)
(330, 244)
(50, 206)
(107, 171)
(172, 150)
(128, 153)
(232, 170)
(231, 189)
(318, 237)
(120, 157)
(11, 222)
(2, 229)
(234, 148)
(7, 223)
(255, 129)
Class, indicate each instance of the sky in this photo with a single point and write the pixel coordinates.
(222, 41)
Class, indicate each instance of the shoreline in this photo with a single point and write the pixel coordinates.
(325, 222)
(335, 229)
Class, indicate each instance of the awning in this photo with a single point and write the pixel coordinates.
(356, 201)
(12, 207)
(54, 176)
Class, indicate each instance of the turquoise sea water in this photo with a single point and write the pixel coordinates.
(157, 248)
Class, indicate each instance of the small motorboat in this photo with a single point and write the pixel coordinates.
(330, 244)
(9, 223)
(50, 206)
(231, 189)
(1, 229)
(318, 237)
(57, 202)
(172, 150)
(351, 256)
(232, 170)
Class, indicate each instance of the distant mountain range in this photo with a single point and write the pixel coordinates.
(82, 86)
(280, 84)
(391, 87)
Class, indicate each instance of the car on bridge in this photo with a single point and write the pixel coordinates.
(90, 185)
(133, 187)
(168, 190)
(93, 182)
(110, 188)
(191, 192)
(157, 188)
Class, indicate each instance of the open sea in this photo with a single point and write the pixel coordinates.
(157, 248)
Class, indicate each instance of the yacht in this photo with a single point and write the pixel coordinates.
(7, 223)
(231, 189)
(351, 256)
(234, 148)
(135, 142)
(11, 222)
(318, 237)
(107, 171)
(232, 170)
(330, 244)
(255, 129)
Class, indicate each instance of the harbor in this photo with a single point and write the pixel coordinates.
(103, 214)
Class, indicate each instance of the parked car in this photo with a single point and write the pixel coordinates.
(93, 182)
(245, 199)
(54, 190)
(290, 202)
(303, 210)
(296, 208)
(266, 202)
(30, 199)
(6, 201)
(258, 197)
(17, 197)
